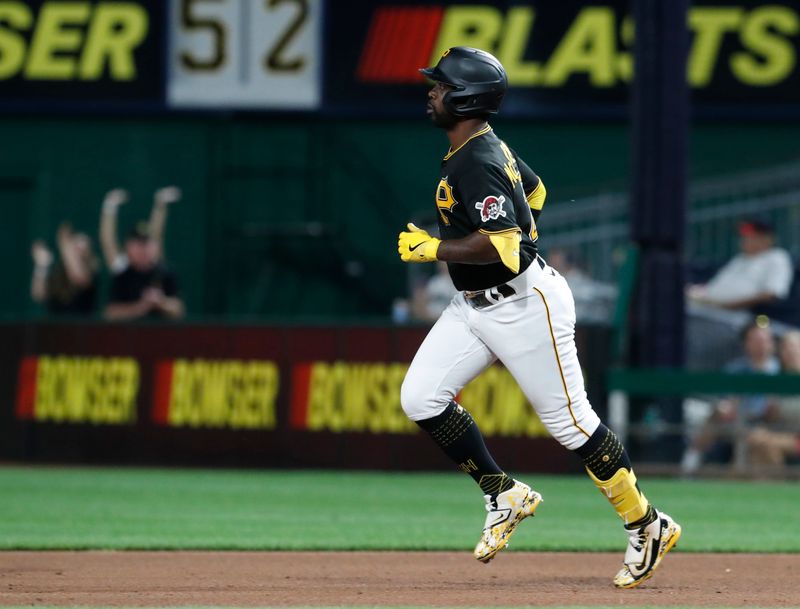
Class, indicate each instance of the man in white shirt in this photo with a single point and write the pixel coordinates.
(761, 273)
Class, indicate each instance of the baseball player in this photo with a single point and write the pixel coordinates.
(511, 307)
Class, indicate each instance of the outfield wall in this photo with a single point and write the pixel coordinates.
(310, 206)
(270, 396)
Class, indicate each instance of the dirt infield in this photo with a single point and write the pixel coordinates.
(163, 579)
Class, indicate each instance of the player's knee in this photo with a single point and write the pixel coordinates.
(419, 401)
(571, 431)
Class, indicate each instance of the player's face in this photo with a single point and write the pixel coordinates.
(440, 116)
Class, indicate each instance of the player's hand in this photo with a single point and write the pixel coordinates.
(167, 195)
(114, 198)
(417, 245)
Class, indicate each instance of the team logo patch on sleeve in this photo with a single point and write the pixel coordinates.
(491, 208)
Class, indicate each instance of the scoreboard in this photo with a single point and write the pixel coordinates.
(572, 58)
(244, 54)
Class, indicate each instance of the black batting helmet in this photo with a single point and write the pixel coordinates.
(479, 79)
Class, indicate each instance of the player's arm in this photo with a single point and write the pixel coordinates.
(497, 238)
(488, 197)
(416, 245)
(476, 248)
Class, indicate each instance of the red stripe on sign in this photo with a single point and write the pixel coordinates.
(301, 384)
(405, 43)
(369, 65)
(385, 48)
(26, 388)
(162, 391)
(400, 41)
(396, 39)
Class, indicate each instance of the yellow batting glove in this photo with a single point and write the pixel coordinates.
(417, 245)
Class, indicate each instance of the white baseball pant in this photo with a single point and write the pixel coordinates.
(531, 332)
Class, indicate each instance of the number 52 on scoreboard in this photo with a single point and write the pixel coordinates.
(256, 54)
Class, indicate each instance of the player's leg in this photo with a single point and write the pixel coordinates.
(539, 351)
(449, 357)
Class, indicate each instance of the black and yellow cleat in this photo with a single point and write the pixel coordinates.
(647, 546)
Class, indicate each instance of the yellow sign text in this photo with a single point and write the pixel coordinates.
(597, 45)
(228, 393)
(346, 396)
(100, 390)
(71, 40)
(365, 397)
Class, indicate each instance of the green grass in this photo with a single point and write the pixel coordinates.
(86, 508)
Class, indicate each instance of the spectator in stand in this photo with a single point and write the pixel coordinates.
(67, 286)
(142, 286)
(712, 443)
(779, 443)
(431, 298)
(594, 300)
(760, 274)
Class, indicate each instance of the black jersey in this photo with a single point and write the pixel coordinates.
(485, 187)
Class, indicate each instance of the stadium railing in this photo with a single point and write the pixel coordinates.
(626, 383)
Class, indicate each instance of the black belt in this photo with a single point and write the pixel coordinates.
(479, 300)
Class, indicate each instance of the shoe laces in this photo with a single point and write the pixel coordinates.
(638, 538)
(491, 504)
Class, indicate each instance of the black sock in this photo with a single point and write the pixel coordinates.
(603, 455)
(457, 434)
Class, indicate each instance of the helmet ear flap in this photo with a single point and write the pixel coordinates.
(459, 105)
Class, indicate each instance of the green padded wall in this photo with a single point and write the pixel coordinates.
(293, 217)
